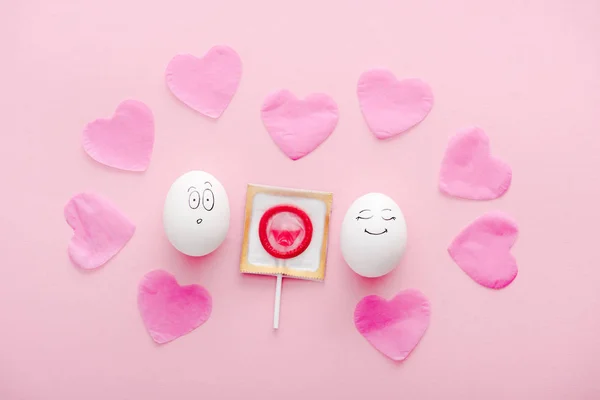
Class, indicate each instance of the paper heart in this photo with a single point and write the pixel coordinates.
(205, 84)
(482, 250)
(100, 230)
(469, 170)
(393, 327)
(390, 106)
(124, 141)
(299, 126)
(169, 310)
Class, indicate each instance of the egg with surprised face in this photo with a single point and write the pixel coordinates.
(373, 236)
(196, 213)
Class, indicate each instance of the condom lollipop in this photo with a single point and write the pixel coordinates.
(285, 232)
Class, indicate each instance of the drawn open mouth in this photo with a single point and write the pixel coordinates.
(199, 221)
(376, 234)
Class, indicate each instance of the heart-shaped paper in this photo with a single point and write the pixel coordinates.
(482, 250)
(390, 106)
(299, 126)
(205, 84)
(100, 230)
(470, 171)
(169, 310)
(124, 141)
(393, 327)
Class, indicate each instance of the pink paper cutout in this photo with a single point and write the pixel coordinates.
(100, 230)
(205, 84)
(299, 126)
(470, 171)
(393, 327)
(390, 106)
(169, 310)
(124, 141)
(482, 250)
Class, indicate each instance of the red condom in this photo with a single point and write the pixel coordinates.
(285, 231)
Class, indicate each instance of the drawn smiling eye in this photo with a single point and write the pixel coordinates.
(364, 214)
(387, 217)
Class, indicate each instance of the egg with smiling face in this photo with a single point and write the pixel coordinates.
(196, 213)
(373, 236)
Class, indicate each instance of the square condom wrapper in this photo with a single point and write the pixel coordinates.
(310, 264)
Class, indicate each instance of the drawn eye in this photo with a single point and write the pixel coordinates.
(364, 217)
(208, 199)
(194, 200)
(388, 219)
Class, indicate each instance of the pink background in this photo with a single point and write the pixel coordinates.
(526, 71)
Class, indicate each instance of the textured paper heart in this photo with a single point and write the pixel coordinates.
(299, 126)
(393, 327)
(482, 250)
(390, 106)
(169, 310)
(470, 171)
(205, 84)
(124, 141)
(100, 230)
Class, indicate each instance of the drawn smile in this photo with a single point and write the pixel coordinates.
(376, 234)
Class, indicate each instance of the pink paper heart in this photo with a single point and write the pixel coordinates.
(205, 84)
(299, 126)
(169, 310)
(393, 327)
(482, 250)
(124, 141)
(100, 230)
(470, 171)
(390, 106)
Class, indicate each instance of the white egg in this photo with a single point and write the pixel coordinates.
(373, 236)
(196, 214)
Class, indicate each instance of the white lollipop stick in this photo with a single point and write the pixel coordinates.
(277, 301)
(278, 263)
